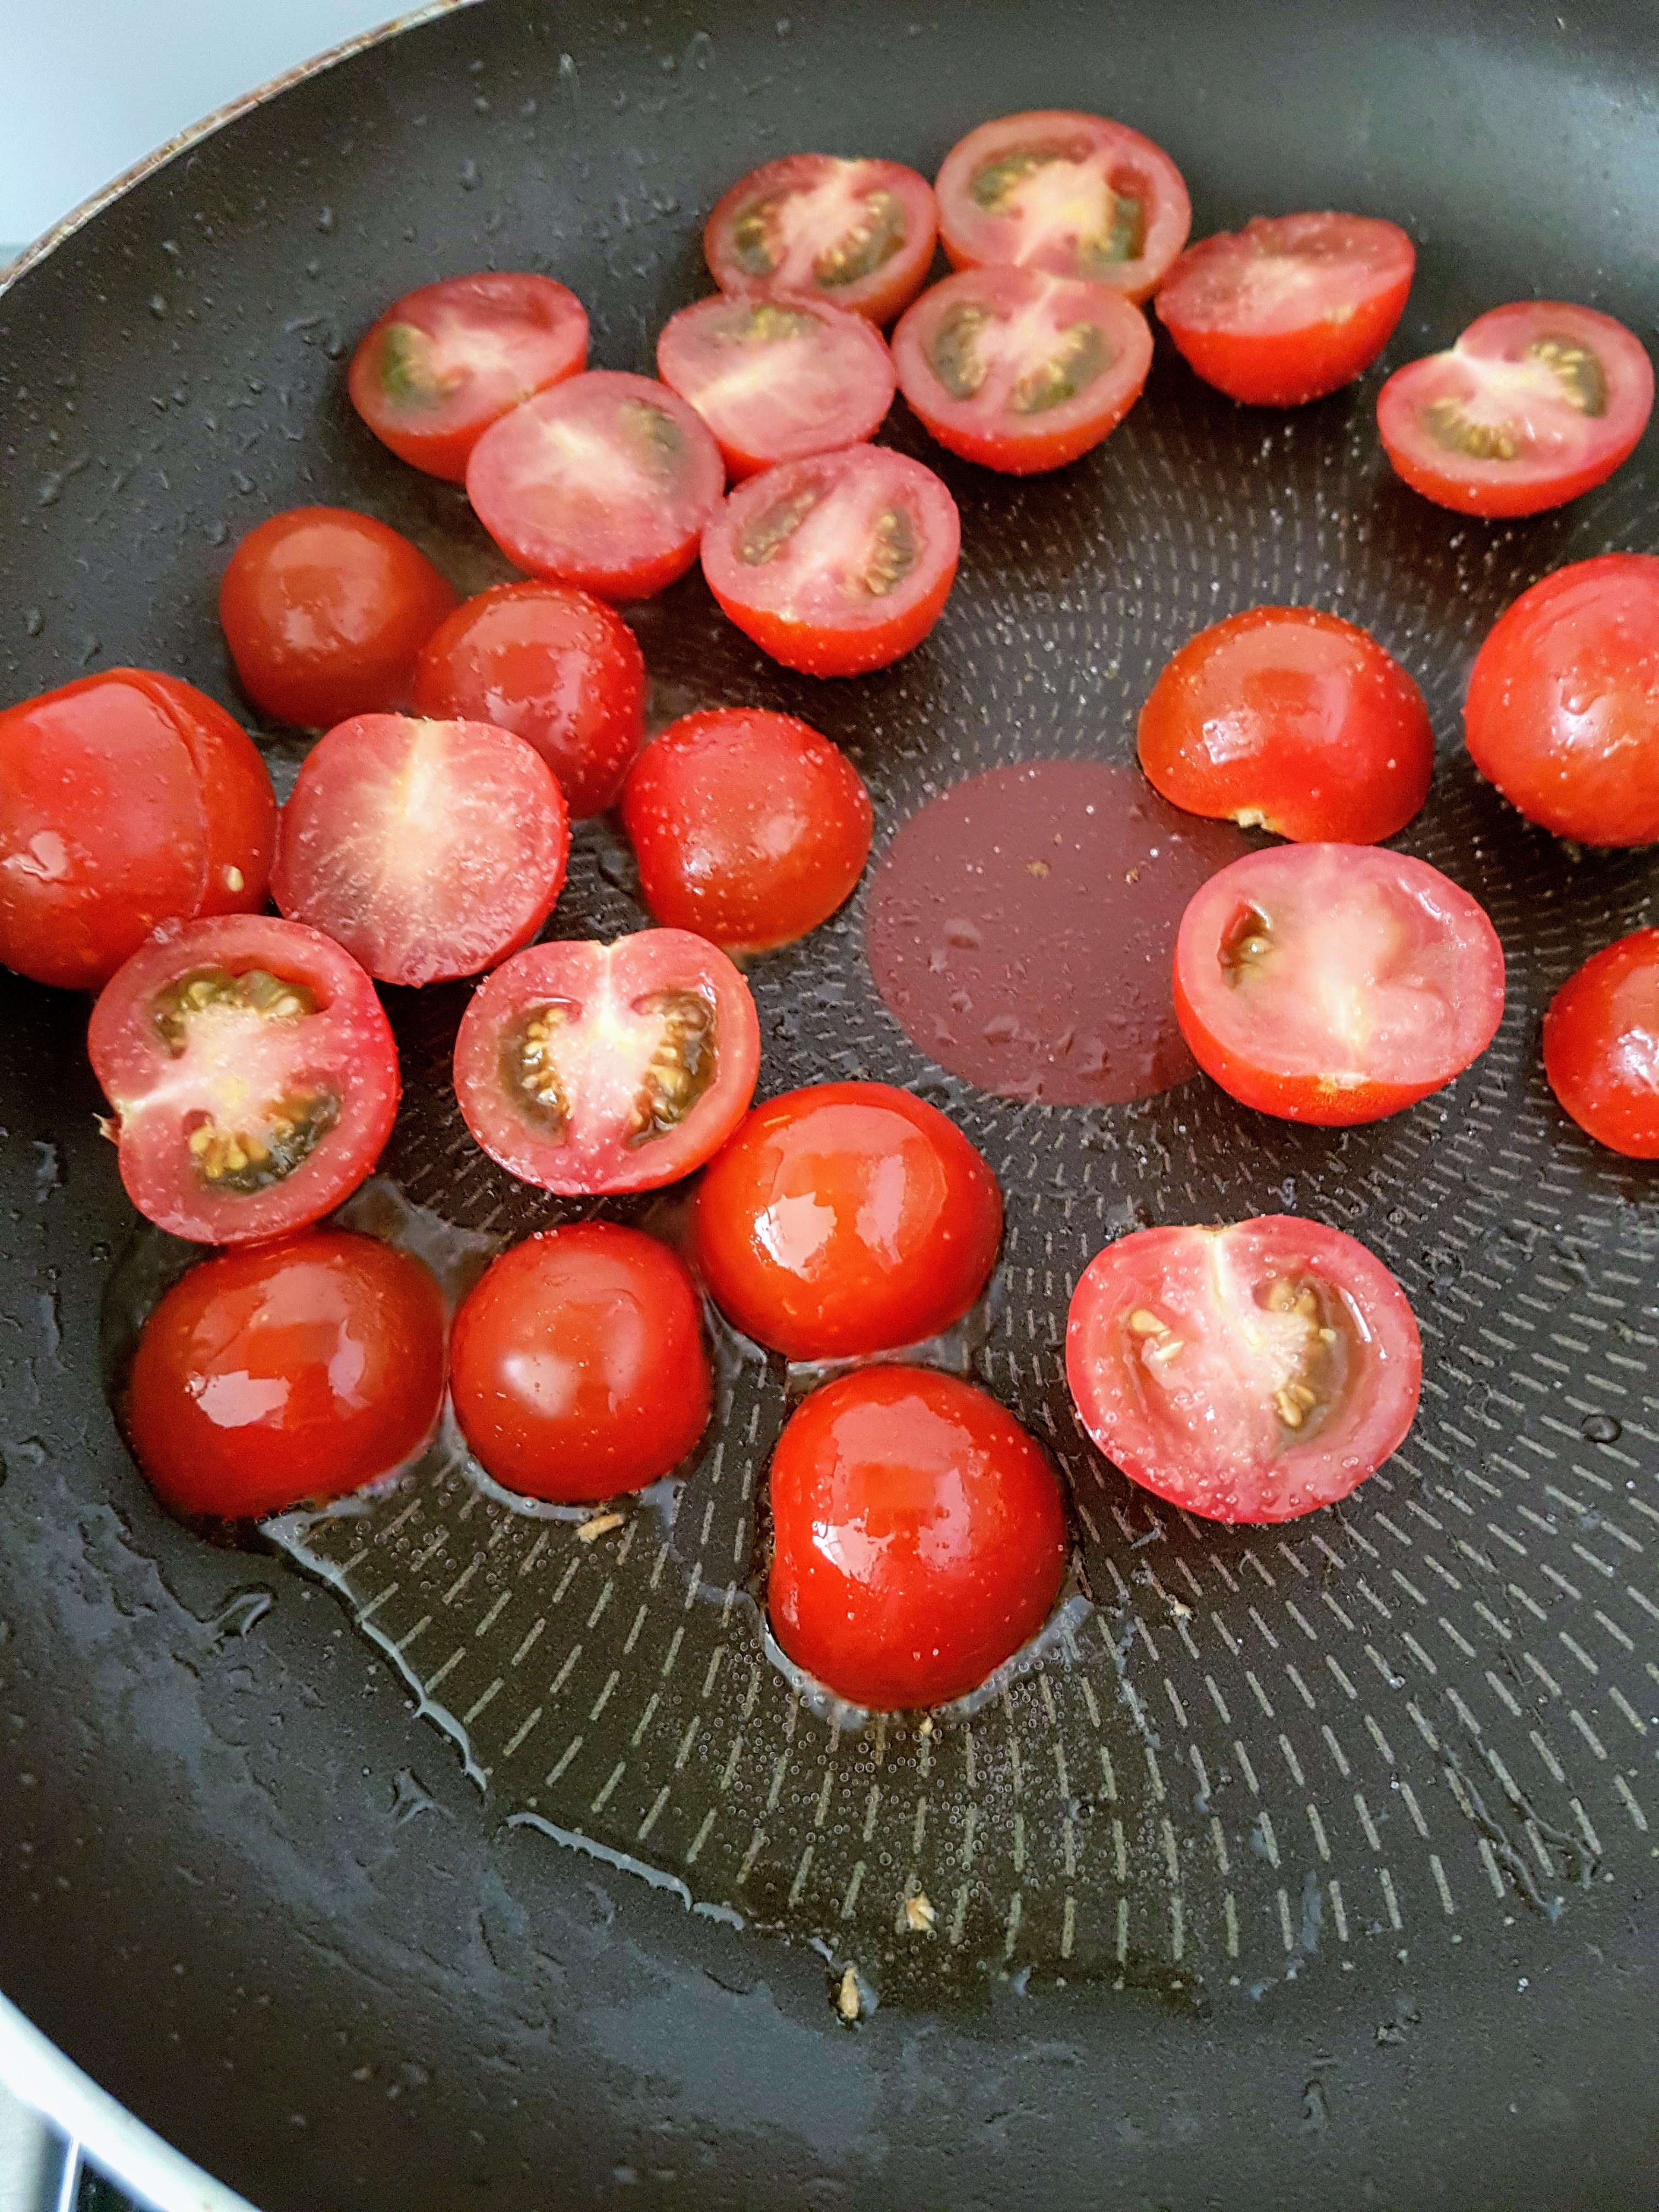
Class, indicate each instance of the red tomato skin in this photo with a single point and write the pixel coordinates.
(878, 296)
(555, 666)
(1563, 707)
(286, 1375)
(1601, 1046)
(748, 438)
(750, 827)
(127, 799)
(914, 1221)
(325, 611)
(919, 1539)
(578, 1367)
(1293, 720)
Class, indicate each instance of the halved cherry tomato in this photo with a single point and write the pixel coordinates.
(859, 235)
(1563, 707)
(1335, 983)
(446, 361)
(1248, 1373)
(253, 1073)
(750, 827)
(605, 481)
(1073, 194)
(1290, 308)
(323, 611)
(286, 1375)
(585, 1067)
(846, 1219)
(1019, 370)
(838, 564)
(578, 1369)
(918, 1537)
(1291, 720)
(777, 379)
(1601, 1046)
(429, 850)
(127, 800)
(1536, 403)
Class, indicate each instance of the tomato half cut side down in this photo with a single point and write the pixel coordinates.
(1335, 983)
(253, 1074)
(1601, 1046)
(1290, 307)
(777, 379)
(1288, 720)
(1248, 1373)
(446, 361)
(837, 565)
(584, 1067)
(1019, 370)
(857, 234)
(1536, 403)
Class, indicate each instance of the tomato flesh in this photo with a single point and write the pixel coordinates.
(857, 234)
(1601, 1046)
(776, 378)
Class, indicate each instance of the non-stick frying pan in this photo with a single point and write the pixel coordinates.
(1308, 1866)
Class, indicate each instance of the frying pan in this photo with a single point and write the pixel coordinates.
(1308, 1866)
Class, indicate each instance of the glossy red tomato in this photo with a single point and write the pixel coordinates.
(558, 668)
(846, 1219)
(588, 1068)
(777, 379)
(1536, 403)
(748, 828)
(1291, 720)
(446, 361)
(1249, 1373)
(1335, 983)
(286, 1375)
(859, 235)
(1601, 1046)
(607, 480)
(1020, 370)
(1563, 707)
(578, 1369)
(429, 850)
(1072, 194)
(1290, 308)
(323, 611)
(253, 1076)
(836, 565)
(127, 800)
(918, 1537)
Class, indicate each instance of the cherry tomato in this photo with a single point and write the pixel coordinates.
(859, 235)
(777, 379)
(1536, 403)
(607, 1067)
(1248, 1373)
(846, 1219)
(1290, 308)
(918, 1537)
(253, 1073)
(127, 800)
(1020, 370)
(1335, 983)
(578, 1369)
(1291, 720)
(558, 668)
(1072, 194)
(445, 362)
(1601, 1046)
(750, 827)
(286, 1375)
(605, 481)
(1563, 707)
(429, 850)
(836, 565)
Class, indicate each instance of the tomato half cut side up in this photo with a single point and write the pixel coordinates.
(836, 565)
(1249, 1373)
(253, 1073)
(1601, 1046)
(1536, 403)
(585, 1067)
(1335, 983)
(777, 379)
(857, 234)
